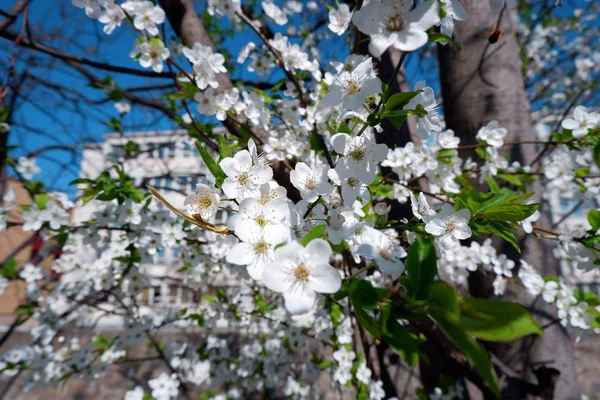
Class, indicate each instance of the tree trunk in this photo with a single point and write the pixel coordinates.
(484, 82)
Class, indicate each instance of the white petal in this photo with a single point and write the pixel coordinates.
(319, 249)
(230, 166)
(240, 254)
(276, 278)
(324, 278)
(299, 301)
(340, 142)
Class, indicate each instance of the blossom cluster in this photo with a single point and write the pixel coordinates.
(261, 254)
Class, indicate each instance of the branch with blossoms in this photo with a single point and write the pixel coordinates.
(313, 249)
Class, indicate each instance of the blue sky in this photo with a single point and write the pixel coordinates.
(40, 122)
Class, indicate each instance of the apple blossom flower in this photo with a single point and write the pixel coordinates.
(164, 387)
(311, 183)
(27, 167)
(360, 155)
(384, 251)
(393, 23)
(204, 201)
(112, 18)
(274, 12)
(340, 19)
(454, 11)
(449, 226)
(153, 53)
(352, 87)
(257, 245)
(421, 208)
(123, 107)
(431, 121)
(91, 7)
(581, 122)
(299, 273)
(492, 133)
(447, 140)
(244, 178)
(147, 17)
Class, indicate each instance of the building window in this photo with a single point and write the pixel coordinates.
(171, 150)
(176, 255)
(187, 150)
(160, 256)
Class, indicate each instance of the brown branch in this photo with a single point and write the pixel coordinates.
(24, 42)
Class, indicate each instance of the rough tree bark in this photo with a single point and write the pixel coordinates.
(484, 82)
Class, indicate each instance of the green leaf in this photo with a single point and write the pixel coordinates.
(9, 269)
(314, 233)
(494, 188)
(514, 179)
(597, 154)
(82, 181)
(224, 147)
(209, 298)
(398, 337)
(509, 212)
(444, 311)
(366, 321)
(398, 101)
(502, 229)
(441, 38)
(363, 294)
(212, 166)
(496, 321)
(594, 219)
(421, 266)
(41, 200)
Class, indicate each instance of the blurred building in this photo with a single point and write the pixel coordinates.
(170, 162)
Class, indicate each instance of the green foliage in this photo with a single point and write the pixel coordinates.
(400, 100)
(225, 149)
(444, 310)
(106, 188)
(397, 336)
(212, 166)
(497, 321)
(421, 267)
(9, 269)
(438, 37)
(363, 294)
(594, 219)
(315, 233)
(493, 212)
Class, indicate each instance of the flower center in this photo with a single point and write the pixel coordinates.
(395, 24)
(310, 183)
(352, 182)
(261, 221)
(385, 254)
(358, 153)
(261, 247)
(243, 178)
(301, 273)
(450, 225)
(352, 86)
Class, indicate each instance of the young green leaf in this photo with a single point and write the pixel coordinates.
(363, 294)
(509, 212)
(497, 321)
(314, 233)
(421, 266)
(397, 336)
(212, 166)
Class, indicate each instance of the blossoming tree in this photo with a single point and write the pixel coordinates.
(345, 241)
